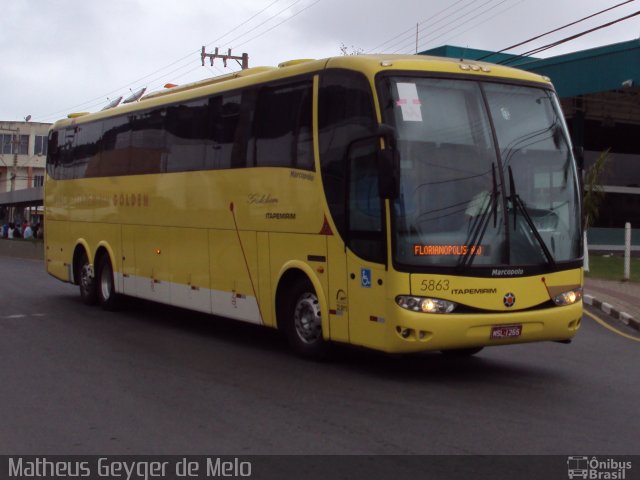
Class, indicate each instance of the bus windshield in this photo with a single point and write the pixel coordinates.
(487, 175)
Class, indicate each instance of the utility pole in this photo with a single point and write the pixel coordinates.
(212, 56)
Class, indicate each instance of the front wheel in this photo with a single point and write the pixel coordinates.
(302, 321)
(107, 296)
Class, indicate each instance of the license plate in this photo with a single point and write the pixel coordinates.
(506, 331)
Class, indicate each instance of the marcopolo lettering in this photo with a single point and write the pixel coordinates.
(304, 176)
(506, 272)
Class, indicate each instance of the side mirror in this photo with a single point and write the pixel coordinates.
(388, 164)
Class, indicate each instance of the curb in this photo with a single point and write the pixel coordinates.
(612, 311)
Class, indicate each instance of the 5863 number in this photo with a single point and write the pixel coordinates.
(434, 285)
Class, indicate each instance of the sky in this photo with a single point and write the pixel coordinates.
(63, 56)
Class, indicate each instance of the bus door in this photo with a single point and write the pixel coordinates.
(366, 251)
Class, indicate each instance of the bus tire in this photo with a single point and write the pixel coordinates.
(107, 296)
(461, 352)
(86, 280)
(301, 318)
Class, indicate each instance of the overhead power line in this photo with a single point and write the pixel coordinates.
(278, 24)
(429, 26)
(185, 61)
(455, 20)
(555, 30)
(230, 42)
(567, 39)
(477, 24)
(411, 29)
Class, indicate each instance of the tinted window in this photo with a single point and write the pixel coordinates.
(345, 113)
(66, 141)
(209, 133)
(53, 155)
(148, 142)
(86, 151)
(187, 128)
(365, 235)
(116, 147)
(282, 126)
(225, 118)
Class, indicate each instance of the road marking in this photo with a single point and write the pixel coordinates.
(609, 327)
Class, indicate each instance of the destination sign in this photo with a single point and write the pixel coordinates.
(449, 250)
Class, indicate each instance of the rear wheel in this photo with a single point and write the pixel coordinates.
(86, 280)
(301, 319)
(107, 296)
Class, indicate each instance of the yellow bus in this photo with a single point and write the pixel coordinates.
(399, 203)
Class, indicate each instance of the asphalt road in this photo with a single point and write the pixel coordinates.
(156, 380)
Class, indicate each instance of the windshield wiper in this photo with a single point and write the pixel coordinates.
(480, 224)
(517, 203)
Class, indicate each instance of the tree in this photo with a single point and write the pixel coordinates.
(593, 196)
(593, 191)
(344, 50)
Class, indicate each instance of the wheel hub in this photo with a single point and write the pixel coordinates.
(307, 318)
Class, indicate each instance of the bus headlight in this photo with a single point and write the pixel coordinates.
(425, 305)
(568, 298)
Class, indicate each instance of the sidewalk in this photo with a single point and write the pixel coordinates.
(620, 300)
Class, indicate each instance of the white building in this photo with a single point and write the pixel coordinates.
(23, 153)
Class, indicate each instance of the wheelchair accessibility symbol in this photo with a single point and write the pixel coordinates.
(365, 277)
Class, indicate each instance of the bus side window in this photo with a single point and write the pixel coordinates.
(224, 113)
(345, 114)
(186, 131)
(66, 141)
(365, 236)
(282, 126)
(86, 156)
(53, 155)
(115, 147)
(148, 141)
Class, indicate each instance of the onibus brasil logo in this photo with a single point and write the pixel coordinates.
(592, 468)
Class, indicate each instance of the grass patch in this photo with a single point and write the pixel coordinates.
(611, 267)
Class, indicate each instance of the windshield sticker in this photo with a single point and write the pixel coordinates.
(446, 250)
(409, 102)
